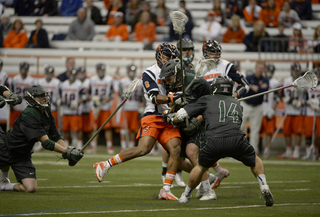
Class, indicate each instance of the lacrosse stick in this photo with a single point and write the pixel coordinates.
(126, 96)
(313, 135)
(202, 66)
(278, 129)
(179, 21)
(308, 80)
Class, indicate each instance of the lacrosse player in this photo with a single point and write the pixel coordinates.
(102, 89)
(35, 123)
(152, 127)
(222, 115)
(293, 124)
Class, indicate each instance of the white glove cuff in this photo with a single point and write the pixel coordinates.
(182, 114)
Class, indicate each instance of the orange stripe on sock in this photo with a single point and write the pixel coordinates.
(120, 157)
(113, 161)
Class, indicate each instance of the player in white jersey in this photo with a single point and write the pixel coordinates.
(293, 124)
(51, 84)
(102, 90)
(270, 102)
(130, 110)
(152, 128)
(86, 107)
(4, 80)
(18, 85)
(70, 99)
(313, 97)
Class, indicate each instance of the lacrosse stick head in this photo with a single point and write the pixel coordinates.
(202, 66)
(308, 80)
(179, 21)
(130, 89)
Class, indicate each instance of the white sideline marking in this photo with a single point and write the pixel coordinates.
(302, 189)
(161, 210)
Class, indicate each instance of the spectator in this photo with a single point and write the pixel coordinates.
(5, 24)
(81, 29)
(162, 13)
(288, 16)
(145, 6)
(211, 29)
(93, 13)
(131, 11)
(252, 108)
(314, 45)
(297, 42)
(47, 8)
(38, 37)
(251, 13)
(232, 7)
(70, 64)
(182, 4)
(251, 40)
(118, 31)
(24, 7)
(270, 14)
(115, 6)
(145, 30)
(70, 8)
(303, 8)
(219, 15)
(173, 36)
(17, 37)
(235, 33)
(280, 44)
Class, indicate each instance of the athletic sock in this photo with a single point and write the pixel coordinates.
(79, 144)
(164, 168)
(109, 144)
(123, 144)
(168, 180)
(262, 179)
(4, 174)
(117, 159)
(206, 184)
(217, 167)
(188, 191)
(9, 187)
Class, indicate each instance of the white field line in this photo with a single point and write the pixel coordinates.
(100, 157)
(302, 189)
(155, 185)
(164, 210)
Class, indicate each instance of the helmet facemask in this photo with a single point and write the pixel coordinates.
(37, 97)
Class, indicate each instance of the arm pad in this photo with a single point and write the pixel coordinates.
(153, 96)
(48, 144)
(244, 88)
(57, 137)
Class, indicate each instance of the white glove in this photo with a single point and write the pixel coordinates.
(270, 114)
(96, 100)
(286, 100)
(314, 104)
(296, 103)
(74, 105)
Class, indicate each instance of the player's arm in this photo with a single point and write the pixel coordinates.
(150, 85)
(49, 144)
(13, 97)
(236, 76)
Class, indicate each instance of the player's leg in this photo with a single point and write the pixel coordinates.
(66, 129)
(109, 140)
(298, 129)
(287, 131)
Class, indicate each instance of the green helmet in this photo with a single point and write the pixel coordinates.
(170, 74)
(36, 91)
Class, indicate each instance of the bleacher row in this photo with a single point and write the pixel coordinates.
(119, 54)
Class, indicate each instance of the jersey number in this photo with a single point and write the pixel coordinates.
(232, 113)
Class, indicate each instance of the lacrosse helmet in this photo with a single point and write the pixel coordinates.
(81, 73)
(270, 68)
(211, 49)
(165, 52)
(222, 85)
(37, 91)
(48, 72)
(186, 45)
(24, 69)
(170, 75)
(101, 70)
(131, 71)
(72, 74)
(295, 70)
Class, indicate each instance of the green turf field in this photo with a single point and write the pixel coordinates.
(130, 189)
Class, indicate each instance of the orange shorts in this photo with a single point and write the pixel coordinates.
(133, 120)
(71, 122)
(103, 116)
(268, 126)
(55, 115)
(152, 125)
(308, 122)
(13, 116)
(293, 125)
(87, 122)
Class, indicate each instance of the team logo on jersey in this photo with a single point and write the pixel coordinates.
(146, 129)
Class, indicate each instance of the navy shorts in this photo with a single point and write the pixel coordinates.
(237, 147)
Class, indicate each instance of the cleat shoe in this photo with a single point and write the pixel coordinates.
(221, 175)
(3, 183)
(184, 198)
(166, 195)
(200, 191)
(209, 194)
(212, 178)
(285, 155)
(100, 169)
(266, 194)
(266, 153)
(179, 180)
(110, 150)
(295, 155)
(91, 150)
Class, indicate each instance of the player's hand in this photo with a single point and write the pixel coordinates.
(2, 102)
(17, 99)
(193, 127)
(270, 114)
(314, 104)
(73, 155)
(74, 105)
(169, 118)
(175, 98)
(296, 103)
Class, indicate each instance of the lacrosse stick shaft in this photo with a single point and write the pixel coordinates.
(98, 131)
(265, 92)
(313, 128)
(278, 129)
